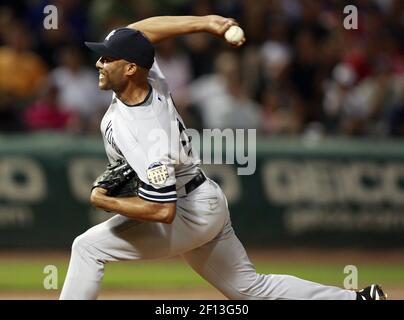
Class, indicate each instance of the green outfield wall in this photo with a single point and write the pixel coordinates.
(327, 193)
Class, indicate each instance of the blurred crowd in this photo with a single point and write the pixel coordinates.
(300, 70)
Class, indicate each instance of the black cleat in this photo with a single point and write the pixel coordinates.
(373, 292)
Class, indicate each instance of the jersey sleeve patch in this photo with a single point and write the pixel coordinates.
(157, 173)
(165, 194)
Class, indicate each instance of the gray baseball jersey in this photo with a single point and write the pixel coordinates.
(151, 138)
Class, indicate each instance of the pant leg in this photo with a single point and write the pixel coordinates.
(198, 220)
(112, 240)
(224, 263)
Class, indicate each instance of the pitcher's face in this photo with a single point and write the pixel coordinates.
(111, 73)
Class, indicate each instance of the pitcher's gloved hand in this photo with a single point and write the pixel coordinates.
(120, 180)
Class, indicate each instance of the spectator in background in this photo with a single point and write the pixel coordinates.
(47, 114)
(176, 67)
(279, 115)
(309, 19)
(201, 48)
(108, 14)
(339, 98)
(22, 73)
(201, 52)
(222, 98)
(280, 112)
(72, 26)
(78, 90)
(305, 77)
(286, 66)
(362, 107)
(22, 70)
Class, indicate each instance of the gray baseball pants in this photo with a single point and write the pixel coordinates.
(202, 234)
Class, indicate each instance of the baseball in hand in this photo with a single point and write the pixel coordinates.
(234, 34)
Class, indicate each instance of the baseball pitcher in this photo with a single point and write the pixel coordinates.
(165, 205)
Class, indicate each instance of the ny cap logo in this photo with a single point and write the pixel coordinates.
(110, 35)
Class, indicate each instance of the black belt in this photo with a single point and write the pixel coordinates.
(195, 182)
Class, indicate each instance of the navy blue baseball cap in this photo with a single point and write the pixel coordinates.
(128, 44)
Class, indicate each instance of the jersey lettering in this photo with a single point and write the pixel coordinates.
(110, 138)
(185, 140)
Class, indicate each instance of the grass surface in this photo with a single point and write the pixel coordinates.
(29, 275)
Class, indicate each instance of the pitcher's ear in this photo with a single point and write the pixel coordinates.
(131, 69)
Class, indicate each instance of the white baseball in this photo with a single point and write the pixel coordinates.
(234, 34)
